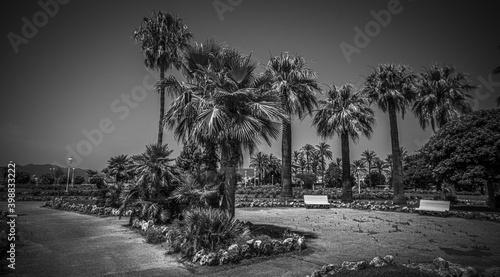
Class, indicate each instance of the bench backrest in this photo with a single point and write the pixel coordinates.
(435, 205)
(316, 199)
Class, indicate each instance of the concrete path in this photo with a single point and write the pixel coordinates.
(59, 243)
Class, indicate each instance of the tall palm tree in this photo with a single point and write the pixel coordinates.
(368, 156)
(392, 87)
(163, 38)
(344, 112)
(308, 151)
(442, 95)
(118, 167)
(323, 150)
(260, 162)
(230, 105)
(296, 86)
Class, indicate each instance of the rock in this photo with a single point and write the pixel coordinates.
(267, 248)
(441, 264)
(223, 258)
(257, 246)
(246, 252)
(378, 262)
(209, 259)
(197, 257)
(234, 253)
(301, 243)
(389, 259)
(288, 244)
(349, 265)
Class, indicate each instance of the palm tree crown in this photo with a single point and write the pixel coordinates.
(442, 95)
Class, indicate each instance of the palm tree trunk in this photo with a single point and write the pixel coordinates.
(397, 173)
(346, 169)
(229, 162)
(286, 152)
(162, 108)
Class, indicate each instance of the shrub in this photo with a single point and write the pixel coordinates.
(204, 229)
(155, 236)
(308, 178)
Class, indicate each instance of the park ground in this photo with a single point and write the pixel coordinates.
(59, 243)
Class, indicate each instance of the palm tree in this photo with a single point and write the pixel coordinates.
(308, 151)
(338, 162)
(442, 96)
(229, 105)
(323, 150)
(260, 162)
(381, 166)
(274, 167)
(392, 87)
(344, 112)
(296, 86)
(118, 167)
(296, 157)
(163, 38)
(357, 167)
(155, 172)
(368, 156)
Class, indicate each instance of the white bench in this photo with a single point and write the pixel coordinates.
(320, 200)
(434, 206)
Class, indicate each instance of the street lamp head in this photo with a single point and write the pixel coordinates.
(70, 160)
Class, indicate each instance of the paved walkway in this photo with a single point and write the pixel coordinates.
(58, 243)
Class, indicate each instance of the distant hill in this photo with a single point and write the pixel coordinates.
(40, 169)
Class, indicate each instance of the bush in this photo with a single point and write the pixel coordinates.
(204, 229)
(155, 236)
(308, 178)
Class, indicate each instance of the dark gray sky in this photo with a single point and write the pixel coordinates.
(78, 68)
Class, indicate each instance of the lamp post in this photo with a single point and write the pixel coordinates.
(70, 160)
(73, 178)
(246, 179)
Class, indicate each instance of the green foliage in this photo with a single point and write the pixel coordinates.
(417, 173)
(191, 159)
(308, 178)
(155, 236)
(333, 176)
(204, 228)
(375, 179)
(22, 178)
(79, 180)
(465, 152)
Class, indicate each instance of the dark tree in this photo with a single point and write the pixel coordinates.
(465, 152)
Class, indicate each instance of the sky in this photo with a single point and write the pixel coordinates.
(74, 82)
